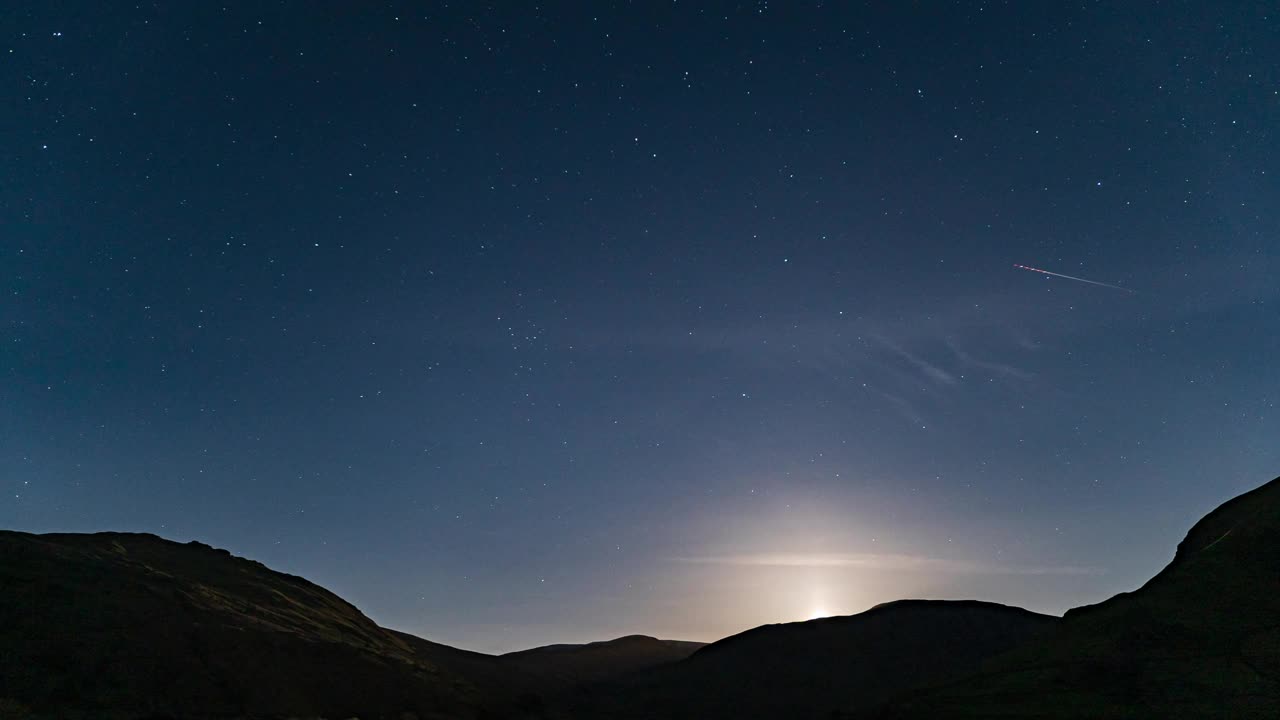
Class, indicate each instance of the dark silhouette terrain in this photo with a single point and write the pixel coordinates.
(810, 669)
(564, 666)
(114, 626)
(1200, 639)
(118, 625)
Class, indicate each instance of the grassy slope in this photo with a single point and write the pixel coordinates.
(126, 625)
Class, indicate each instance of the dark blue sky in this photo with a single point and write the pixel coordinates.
(519, 324)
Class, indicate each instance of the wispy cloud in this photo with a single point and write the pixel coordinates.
(886, 561)
(930, 370)
(993, 367)
(916, 362)
(903, 407)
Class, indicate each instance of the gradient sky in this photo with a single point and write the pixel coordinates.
(521, 324)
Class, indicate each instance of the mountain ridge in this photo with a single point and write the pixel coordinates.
(126, 625)
(1201, 638)
(810, 669)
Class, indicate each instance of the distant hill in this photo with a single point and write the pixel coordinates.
(558, 666)
(810, 669)
(1201, 639)
(120, 625)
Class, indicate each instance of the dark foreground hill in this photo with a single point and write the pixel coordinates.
(1200, 640)
(116, 625)
(124, 625)
(810, 669)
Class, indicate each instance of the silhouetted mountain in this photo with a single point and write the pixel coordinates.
(1200, 639)
(558, 666)
(127, 625)
(118, 625)
(809, 669)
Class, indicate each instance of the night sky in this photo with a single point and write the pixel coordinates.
(524, 324)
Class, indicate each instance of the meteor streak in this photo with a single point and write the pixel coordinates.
(1071, 277)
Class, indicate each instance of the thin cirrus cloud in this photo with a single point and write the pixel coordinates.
(930, 370)
(885, 561)
(993, 367)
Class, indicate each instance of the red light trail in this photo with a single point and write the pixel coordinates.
(1071, 277)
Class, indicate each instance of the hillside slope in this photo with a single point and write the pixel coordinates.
(123, 625)
(1200, 639)
(810, 669)
(127, 625)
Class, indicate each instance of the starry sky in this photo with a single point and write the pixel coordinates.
(517, 324)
